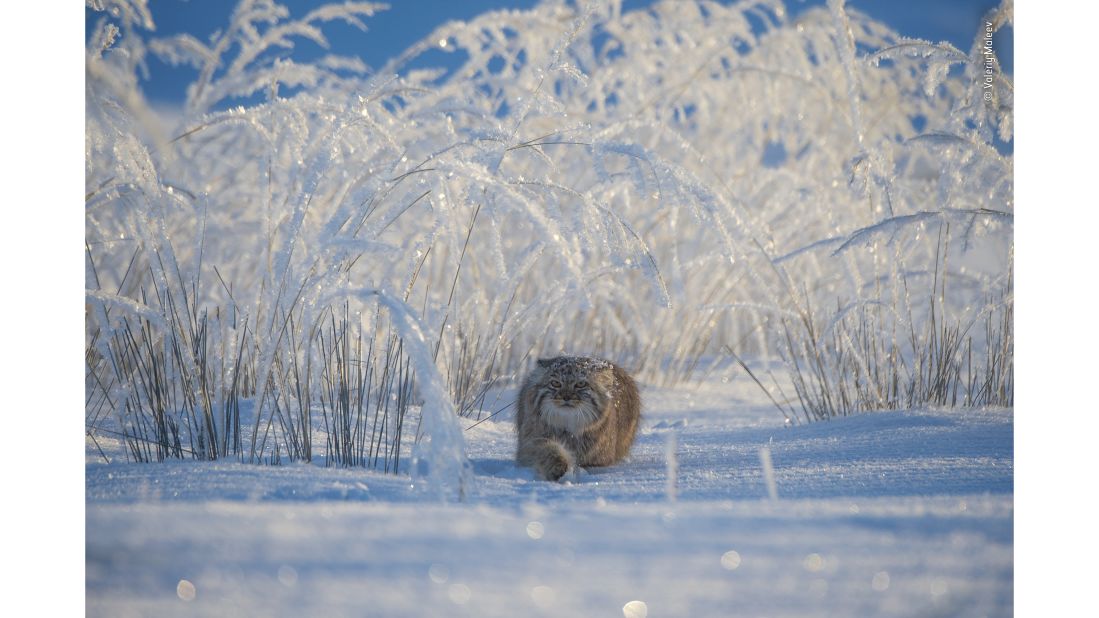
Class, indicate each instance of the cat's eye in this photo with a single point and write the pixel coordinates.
(555, 383)
(582, 384)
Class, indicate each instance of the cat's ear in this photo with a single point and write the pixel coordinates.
(545, 362)
(604, 377)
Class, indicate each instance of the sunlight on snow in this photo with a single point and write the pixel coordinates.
(642, 190)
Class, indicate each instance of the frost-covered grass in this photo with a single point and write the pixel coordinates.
(871, 358)
(327, 264)
(663, 186)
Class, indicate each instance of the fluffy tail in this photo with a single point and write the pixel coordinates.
(550, 458)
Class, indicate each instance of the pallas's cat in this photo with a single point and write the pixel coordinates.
(575, 411)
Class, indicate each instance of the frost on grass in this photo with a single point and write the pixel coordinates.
(656, 185)
(439, 462)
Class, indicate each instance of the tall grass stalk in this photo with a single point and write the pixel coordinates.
(578, 183)
(856, 363)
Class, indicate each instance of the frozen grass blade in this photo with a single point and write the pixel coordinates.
(768, 473)
(671, 466)
(575, 184)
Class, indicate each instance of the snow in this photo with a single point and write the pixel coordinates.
(577, 184)
(885, 514)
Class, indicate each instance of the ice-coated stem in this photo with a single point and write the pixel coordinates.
(439, 462)
(768, 472)
(671, 465)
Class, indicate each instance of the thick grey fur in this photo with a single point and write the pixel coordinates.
(575, 411)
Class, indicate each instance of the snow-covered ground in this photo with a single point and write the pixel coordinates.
(887, 514)
(668, 181)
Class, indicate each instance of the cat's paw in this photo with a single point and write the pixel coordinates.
(555, 468)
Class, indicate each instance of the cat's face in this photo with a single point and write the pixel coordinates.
(572, 391)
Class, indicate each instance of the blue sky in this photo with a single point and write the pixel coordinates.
(407, 21)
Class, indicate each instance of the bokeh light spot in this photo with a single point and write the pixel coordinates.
(459, 594)
(730, 560)
(543, 596)
(288, 576)
(535, 530)
(438, 573)
(185, 590)
(813, 563)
